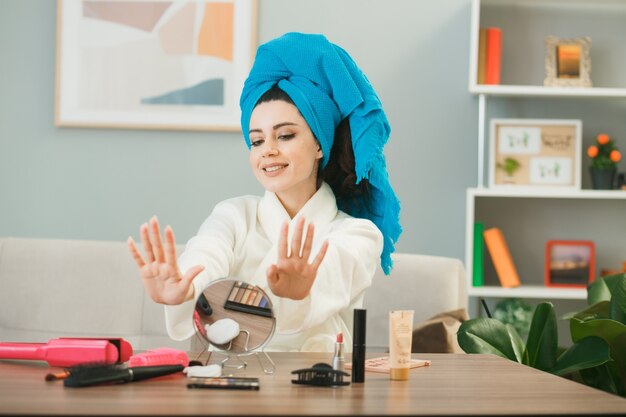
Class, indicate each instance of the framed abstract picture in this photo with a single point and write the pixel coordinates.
(153, 64)
(535, 153)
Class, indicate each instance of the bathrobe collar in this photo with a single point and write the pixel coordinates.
(320, 210)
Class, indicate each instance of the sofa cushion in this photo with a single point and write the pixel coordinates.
(70, 288)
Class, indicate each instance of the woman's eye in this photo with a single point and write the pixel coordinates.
(286, 136)
(256, 143)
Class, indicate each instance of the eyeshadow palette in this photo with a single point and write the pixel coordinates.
(248, 299)
(381, 364)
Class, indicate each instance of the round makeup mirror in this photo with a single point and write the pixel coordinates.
(235, 318)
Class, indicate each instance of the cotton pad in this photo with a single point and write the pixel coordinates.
(222, 331)
(208, 371)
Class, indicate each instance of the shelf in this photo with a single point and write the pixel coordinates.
(529, 291)
(541, 91)
(532, 215)
(526, 192)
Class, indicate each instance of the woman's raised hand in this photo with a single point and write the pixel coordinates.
(159, 272)
(292, 276)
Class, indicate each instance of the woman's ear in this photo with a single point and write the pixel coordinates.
(319, 154)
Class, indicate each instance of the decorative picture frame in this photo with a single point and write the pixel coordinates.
(153, 65)
(569, 263)
(568, 63)
(535, 153)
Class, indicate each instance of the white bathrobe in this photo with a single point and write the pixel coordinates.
(239, 240)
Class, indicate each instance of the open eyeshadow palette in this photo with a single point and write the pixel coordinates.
(382, 364)
(248, 299)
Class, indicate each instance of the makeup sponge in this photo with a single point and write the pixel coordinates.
(222, 331)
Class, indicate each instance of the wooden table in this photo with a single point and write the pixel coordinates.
(452, 385)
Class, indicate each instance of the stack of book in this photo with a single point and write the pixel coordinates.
(500, 255)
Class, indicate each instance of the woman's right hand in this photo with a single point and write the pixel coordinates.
(159, 273)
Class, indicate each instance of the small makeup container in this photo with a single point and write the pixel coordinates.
(358, 345)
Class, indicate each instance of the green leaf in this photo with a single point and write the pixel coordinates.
(606, 329)
(599, 310)
(516, 342)
(598, 291)
(618, 353)
(617, 310)
(488, 335)
(601, 289)
(602, 378)
(588, 353)
(542, 338)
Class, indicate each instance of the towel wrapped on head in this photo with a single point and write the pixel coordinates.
(327, 86)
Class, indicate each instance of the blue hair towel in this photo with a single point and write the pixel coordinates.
(327, 86)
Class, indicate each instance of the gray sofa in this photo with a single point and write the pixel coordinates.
(54, 288)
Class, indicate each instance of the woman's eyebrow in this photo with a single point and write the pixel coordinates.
(277, 126)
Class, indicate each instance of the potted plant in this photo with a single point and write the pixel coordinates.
(598, 355)
(604, 158)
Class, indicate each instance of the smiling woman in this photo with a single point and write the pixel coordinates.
(314, 254)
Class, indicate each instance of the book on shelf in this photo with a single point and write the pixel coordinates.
(501, 257)
(478, 264)
(489, 55)
(482, 53)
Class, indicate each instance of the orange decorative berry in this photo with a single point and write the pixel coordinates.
(615, 155)
(603, 138)
(592, 151)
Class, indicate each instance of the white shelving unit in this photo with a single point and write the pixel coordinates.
(608, 7)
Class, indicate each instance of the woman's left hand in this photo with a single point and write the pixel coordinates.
(292, 276)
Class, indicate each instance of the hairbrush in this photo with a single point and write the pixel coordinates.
(84, 376)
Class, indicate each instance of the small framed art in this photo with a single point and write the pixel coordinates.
(569, 263)
(567, 62)
(543, 153)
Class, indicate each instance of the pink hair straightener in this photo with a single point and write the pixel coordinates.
(70, 351)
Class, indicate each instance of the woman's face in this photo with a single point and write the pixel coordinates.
(284, 155)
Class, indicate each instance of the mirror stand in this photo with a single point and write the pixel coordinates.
(243, 364)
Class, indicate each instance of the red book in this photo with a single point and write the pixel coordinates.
(494, 53)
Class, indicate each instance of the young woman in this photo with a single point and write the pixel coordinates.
(315, 129)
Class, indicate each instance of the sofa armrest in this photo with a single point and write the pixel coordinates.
(429, 285)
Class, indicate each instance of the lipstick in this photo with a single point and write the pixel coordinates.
(338, 359)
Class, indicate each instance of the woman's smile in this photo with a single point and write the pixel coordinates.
(273, 170)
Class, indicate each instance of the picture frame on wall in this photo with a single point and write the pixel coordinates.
(535, 154)
(568, 63)
(153, 65)
(569, 263)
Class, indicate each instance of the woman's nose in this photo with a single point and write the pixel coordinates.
(270, 149)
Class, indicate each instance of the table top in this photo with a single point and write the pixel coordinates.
(454, 384)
